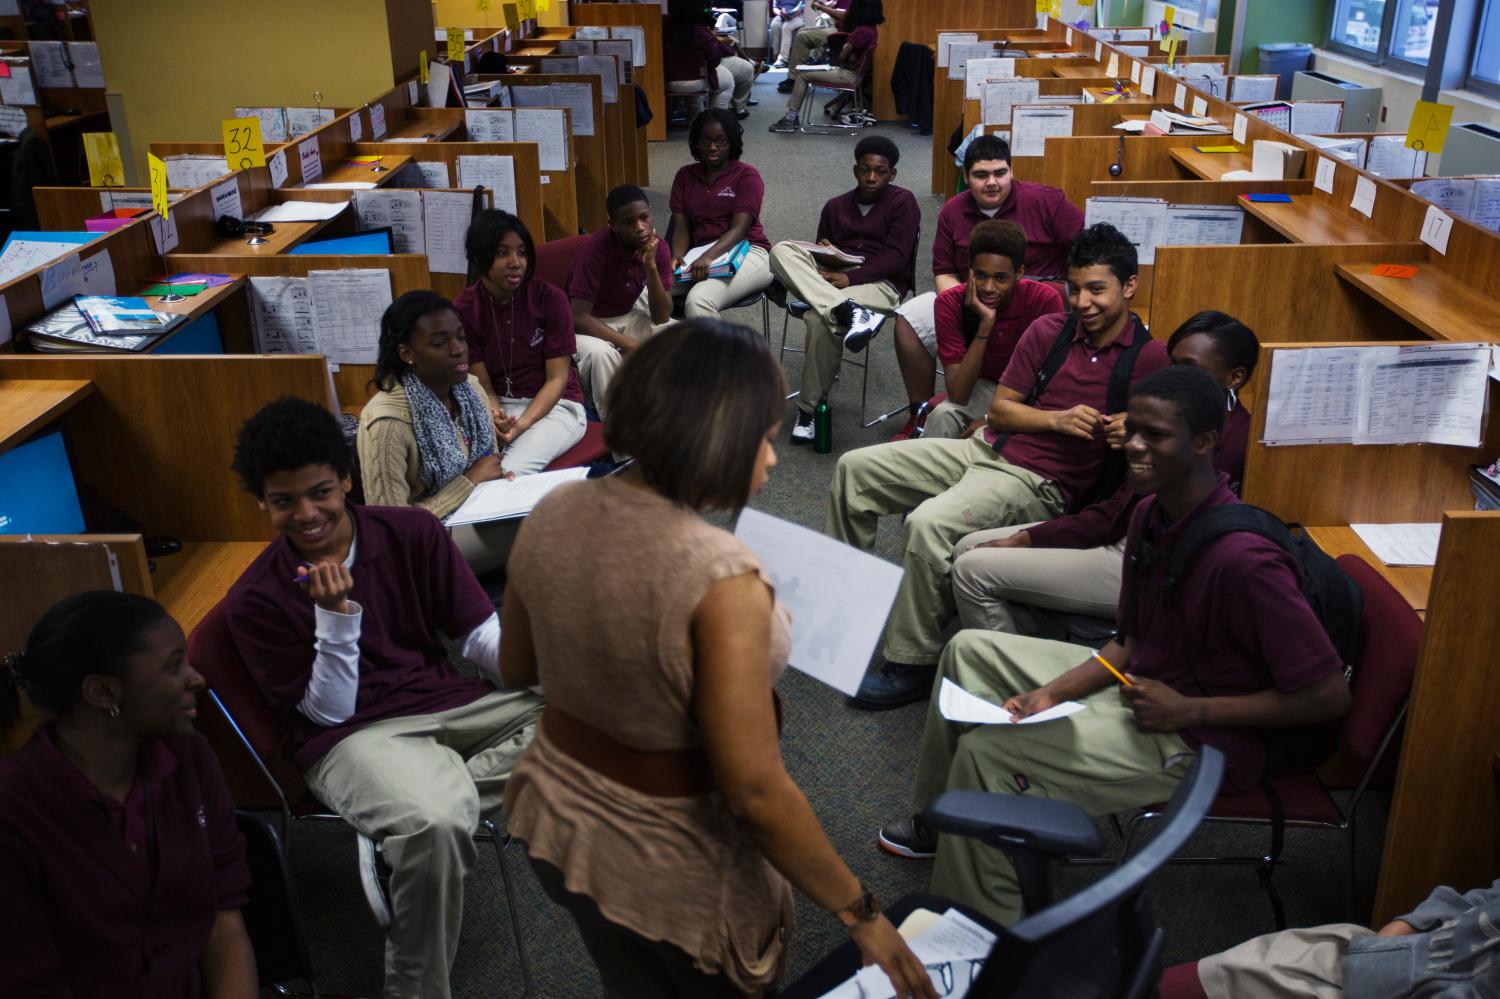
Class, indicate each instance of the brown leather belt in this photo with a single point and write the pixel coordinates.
(661, 773)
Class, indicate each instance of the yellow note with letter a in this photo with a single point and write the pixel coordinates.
(106, 168)
(1428, 130)
(456, 45)
(158, 171)
(242, 143)
(422, 67)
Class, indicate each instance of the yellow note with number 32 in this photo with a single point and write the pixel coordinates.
(242, 144)
(158, 171)
(1428, 130)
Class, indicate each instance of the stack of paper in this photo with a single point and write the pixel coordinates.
(507, 499)
(1175, 123)
(1474, 198)
(952, 947)
(828, 254)
(1401, 544)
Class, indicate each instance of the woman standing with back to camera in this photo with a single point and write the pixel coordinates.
(659, 740)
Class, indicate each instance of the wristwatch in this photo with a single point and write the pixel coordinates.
(862, 910)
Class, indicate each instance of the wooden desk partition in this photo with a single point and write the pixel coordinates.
(1073, 163)
(920, 21)
(590, 152)
(652, 75)
(530, 192)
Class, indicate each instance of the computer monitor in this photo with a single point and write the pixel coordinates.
(37, 492)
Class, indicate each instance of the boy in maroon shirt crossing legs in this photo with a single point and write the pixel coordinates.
(1240, 650)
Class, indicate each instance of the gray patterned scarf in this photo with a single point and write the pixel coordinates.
(441, 454)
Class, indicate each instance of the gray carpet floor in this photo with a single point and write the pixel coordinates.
(856, 768)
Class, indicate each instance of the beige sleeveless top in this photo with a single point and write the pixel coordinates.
(610, 575)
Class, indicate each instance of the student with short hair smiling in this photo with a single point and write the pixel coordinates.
(877, 221)
(620, 288)
(122, 872)
(1050, 221)
(1050, 457)
(980, 322)
(1237, 652)
(340, 622)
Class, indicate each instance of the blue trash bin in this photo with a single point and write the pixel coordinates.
(1285, 59)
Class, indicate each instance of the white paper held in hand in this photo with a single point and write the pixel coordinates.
(838, 596)
(958, 705)
(506, 499)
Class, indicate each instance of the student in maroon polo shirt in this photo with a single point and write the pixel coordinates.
(620, 289)
(122, 872)
(877, 221)
(340, 623)
(521, 344)
(847, 70)
(1050, 220)
(1073, 564)
(715, 204)
(980, 322)
(1052, 454)
(1237, 651)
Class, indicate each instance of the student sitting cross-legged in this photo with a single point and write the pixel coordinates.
(715, 204)
(1049, 219)
(1073, 563)
(521, 344)
(122, 872)
(877, 221)
(620, 288)
(861, 21)
(1048, 440)
(341, 623)
(426, 437)
(980, 322)
(1239, 651)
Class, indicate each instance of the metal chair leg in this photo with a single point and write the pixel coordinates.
(501, 841)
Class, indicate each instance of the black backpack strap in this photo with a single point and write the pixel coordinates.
(1051, 364)
(1228, 518)
(1118, 392)
(1141, 556)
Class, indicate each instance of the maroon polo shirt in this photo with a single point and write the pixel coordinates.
(1083, 380)
(859, 46)
(1105, 522)
(411, 584)
(1051, 222)
(709, 207)
(611, 276)
(518, 337)
(1240, 625)
(100, 898)
(886, 235)
(1030, 301)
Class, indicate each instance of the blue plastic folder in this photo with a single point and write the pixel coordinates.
(1275, 199)
(725, 266)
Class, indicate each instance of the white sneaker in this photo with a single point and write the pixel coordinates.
(860, 325)
(779, 64)
(375, 876)
(802, 430)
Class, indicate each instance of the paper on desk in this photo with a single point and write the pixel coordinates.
(425, 173)
(978, 72)
(490, 125)
(13, 122)
(226, 200)
(953, 937)
(623, 52)
(377, 121)
(272, 122)
(62, 281)
(637, 38)
(194, 171)
(1134, 126)
(498, 173)
(310, 157)
(1030, 127)
(439, 80)
(396, 209)
(87, 70)
(21, 255)
(98, 274)
(609, 76)
(47, 60)
(1140, 220)
(301, 211)
(342, 185)
(960, 53)
(347, 306)
(1389, 157)
(1401, 544)
(548, 128)
(300, 121)
(277, 165)
(1244, 89)
(958, 705)
(1203, 225)
(999, 96)
(445, 219)
(281, 316)
(578, 98)
(506, 499)
(17, 89)
(838, 596)
(1363, 200)
(947, 39)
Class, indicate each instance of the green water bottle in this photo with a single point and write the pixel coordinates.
(822, 427)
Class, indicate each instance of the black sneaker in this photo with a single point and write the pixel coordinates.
(375, 876)
(892, 685)
(802, 430)
(908, 838)
(742, 114)
(786, 123)
(785, 86)
(861, 325)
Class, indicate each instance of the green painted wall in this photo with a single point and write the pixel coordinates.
(1270, 21)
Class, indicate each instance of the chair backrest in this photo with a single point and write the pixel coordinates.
(1104, 940)
(239, 724)
(273, 917)
(554, 259)
(685, 66)
(1390, 638)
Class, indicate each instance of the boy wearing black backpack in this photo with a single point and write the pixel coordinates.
(1054, 424)
(1235, 652)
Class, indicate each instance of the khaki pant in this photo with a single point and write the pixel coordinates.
(418, 786)
(731, 84)
(994, 587)
(952, 488)
(540, 445)
(707, 299)
(1303, 962)
(825, 340)
(950, 419)
(1099, 758)
(808, 39)
(598, 359)
(485, 546)
(783, 33)
(824, 77)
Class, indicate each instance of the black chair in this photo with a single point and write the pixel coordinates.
(272, 915)
(1101, 942)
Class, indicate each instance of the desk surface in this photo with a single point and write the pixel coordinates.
(1307, 220)
(433, 131)
(1412, 582)
(1211, 166)
(357, 173)
(1441, 306)
(191, 582)
(1076, 72)
(197, 305)
(1102, 95)
(26, 405)
(282, 238)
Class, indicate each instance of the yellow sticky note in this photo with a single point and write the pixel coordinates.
(242, 145)
(106, 168)
(1172, 49)
(1428, 130)
(422, 67)
(1052, 8)
(1111, 98)
(158, 171)
(512, 16)
(456, 45)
